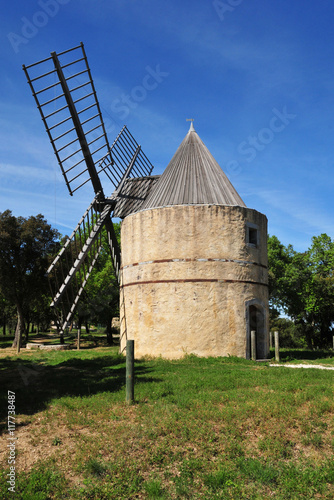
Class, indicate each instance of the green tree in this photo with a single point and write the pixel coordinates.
(25, 247)
(101, 300)
(7, 314)
(279, 260)
(302, 285)
(319, 288)
(290, 334)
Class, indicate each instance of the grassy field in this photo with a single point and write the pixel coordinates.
(199, 429)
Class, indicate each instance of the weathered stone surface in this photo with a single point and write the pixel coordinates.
(33, 346)
(59, 347)
(187, 277)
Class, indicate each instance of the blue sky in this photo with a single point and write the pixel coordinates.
(257, 77)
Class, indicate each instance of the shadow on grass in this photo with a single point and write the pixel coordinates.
(93, 339)
(35, 383)
(6, 341)
(302, 354)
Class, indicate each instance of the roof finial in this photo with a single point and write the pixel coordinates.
(191, 120)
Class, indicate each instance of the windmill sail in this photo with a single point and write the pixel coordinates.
(65, 95)
(66, 98)
(72, 267)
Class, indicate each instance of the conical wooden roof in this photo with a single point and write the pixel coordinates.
(192, 177)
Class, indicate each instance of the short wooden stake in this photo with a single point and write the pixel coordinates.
(253, 345)
(130, 368)
(276, 347)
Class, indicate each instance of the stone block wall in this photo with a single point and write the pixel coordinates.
(188, 273)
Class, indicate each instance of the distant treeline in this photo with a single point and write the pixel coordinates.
(301, 284)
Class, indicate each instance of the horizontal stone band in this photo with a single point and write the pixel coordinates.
(193, 281)
(244, 262)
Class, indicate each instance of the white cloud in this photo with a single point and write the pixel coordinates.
(24, 173)
(299, 208)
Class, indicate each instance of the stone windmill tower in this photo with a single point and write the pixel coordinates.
(194, 262)
(193, 270)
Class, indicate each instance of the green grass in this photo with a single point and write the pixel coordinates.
(200, 428)
(6, 341)
(309, 356)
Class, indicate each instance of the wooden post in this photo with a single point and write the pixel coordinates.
(78, 340)
(270, 340)
(130, 362)
(253, 345)
(276, 347)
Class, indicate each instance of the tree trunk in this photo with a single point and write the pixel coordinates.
(4, 325)
(87, 327)
(79, 332)
(110, 339)
(26, 336)
(20, 329)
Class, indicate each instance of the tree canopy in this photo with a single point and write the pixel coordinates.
(302, 285)
(25, 248)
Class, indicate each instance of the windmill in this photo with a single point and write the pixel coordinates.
(65, 96)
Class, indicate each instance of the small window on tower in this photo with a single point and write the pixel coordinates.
(252, 235)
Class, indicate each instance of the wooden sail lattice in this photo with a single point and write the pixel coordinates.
(66, 98)
(69, 272)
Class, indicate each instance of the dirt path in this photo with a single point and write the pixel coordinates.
(319, 367)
